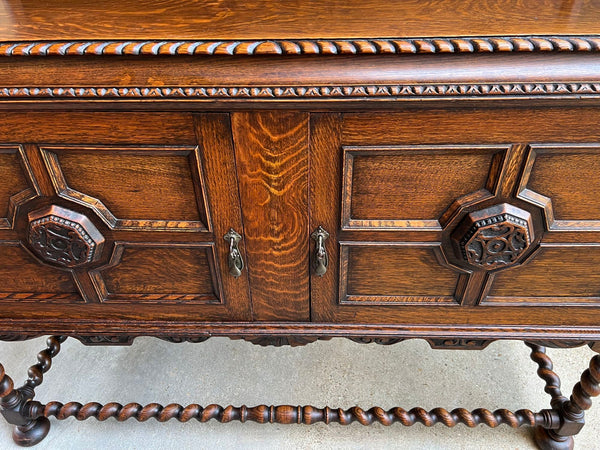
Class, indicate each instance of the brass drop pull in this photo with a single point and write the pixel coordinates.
(321, 260)
(234, 259)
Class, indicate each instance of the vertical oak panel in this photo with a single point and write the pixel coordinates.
(325, 198)
(214, 138)
(272, 165)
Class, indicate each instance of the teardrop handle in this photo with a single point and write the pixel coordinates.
(321, 260)
(234, 258)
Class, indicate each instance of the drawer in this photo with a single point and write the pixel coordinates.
(119, 215)
(458, 216)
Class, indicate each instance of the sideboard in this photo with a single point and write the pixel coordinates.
(287, 172)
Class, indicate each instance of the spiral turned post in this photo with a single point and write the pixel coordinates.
(546, 372)
(7, 390)
(586, 389)
(571, 412)
(287, 414)
(15, 404)
(37, 371)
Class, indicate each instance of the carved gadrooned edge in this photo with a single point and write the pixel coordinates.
(392, 91)
(382, 46)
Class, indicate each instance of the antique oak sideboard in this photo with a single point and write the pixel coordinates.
(294, 171)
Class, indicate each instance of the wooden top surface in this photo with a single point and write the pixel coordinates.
(35, 20)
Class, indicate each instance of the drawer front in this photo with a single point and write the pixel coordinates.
(458, 216)
(119, 215)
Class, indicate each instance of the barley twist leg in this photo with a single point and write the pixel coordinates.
(571, 412)
(15, 404)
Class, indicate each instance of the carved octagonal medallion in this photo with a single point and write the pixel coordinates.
(495, 237)
(63, 237)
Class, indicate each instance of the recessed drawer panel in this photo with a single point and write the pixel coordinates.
(558, 274)
(13, 180)
(165, 274)
(25, 280)
(568, 176)
(394, 273)
(156, 187)
(409, 187)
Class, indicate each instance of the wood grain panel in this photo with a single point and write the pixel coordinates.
(473, 126)
(141, 184)
(393, 274)
(24, 279)
(54, 127)
(12, 179)
(217, 156)
(397, 76)
(272, 167)
(559, 274)
(325, 194)
(568, 175)
(175, 273)
(409, 187)
(181, 19)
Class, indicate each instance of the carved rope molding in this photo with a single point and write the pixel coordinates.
(485, 44)
(420, 91)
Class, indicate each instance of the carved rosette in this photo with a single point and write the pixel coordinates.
(63, 237)
(494, 237)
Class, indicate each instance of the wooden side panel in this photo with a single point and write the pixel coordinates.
(272, 166)
(391, 274)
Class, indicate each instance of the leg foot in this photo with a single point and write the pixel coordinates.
(547, 440)
(32, 433)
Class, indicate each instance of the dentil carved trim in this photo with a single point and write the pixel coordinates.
(485, 44)
(433, 91)
(409, 91)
